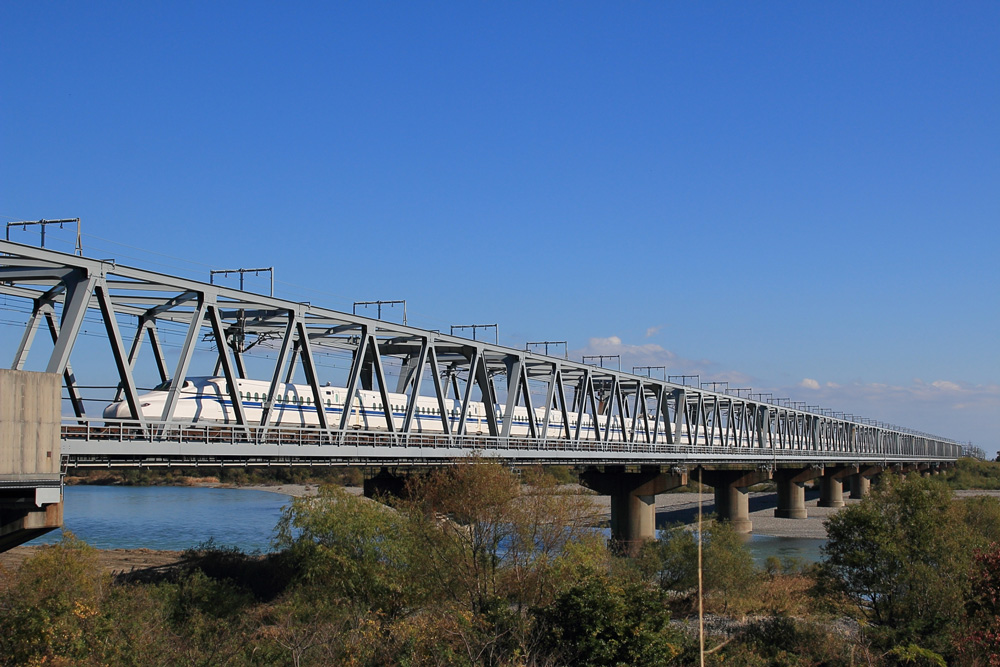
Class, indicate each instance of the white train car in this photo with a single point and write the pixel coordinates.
(206, 399)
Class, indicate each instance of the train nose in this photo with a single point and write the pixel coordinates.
(115, 410)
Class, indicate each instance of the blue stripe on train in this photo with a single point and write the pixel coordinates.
(376, 413)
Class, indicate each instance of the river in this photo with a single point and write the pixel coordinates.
(175, 518)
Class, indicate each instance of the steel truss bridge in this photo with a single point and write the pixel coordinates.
(665, 423)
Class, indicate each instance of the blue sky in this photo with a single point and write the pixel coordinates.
(799, 197)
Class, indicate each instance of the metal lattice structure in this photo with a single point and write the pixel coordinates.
(660, 422)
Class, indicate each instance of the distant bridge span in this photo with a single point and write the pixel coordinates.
(640, 425)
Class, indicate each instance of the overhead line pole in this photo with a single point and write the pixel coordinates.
(546, 343)
(495, 327)
(242, 272)
(42, 223)
(380, 304)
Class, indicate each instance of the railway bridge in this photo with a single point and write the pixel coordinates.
(407, 397)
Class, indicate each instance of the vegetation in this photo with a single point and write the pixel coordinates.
(476, 568)
(243, 476)
(239, 476)
(902, 560)
(970, 473)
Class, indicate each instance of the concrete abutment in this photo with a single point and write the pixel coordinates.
(30, 475)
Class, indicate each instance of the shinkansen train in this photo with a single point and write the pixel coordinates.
(206, 399)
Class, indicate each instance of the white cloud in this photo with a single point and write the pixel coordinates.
(652, 331)
(946, 386)
(646, 354)
(948, 408)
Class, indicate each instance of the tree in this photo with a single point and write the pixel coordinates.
(901, 557)
(351, 548)
(601, 621)
(50, 605)
(728, 569)
(483, 537)
(981, 635)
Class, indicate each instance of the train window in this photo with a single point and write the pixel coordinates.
(309, 400)
(328, 402)
(256, 396)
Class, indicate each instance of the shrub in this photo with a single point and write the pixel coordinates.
(603, 622)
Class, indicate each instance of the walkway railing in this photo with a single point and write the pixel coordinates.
(89, 438)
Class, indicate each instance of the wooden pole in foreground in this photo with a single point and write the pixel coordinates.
(701, 605)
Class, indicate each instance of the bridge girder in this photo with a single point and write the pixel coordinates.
(631, 414)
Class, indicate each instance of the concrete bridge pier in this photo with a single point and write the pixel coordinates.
(792, 491)
(832, 487)
(732, 503)
(861, 483)
(633, 499)
(385, 483)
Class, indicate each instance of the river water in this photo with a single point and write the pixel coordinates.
(181, 517)
(169, 517)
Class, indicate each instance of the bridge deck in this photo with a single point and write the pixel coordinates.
(86, 443)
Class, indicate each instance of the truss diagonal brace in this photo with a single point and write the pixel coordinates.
(127, 382)
(79, 287)
(227, 365)
(176, 383)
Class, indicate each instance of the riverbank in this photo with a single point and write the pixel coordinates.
(671, 508)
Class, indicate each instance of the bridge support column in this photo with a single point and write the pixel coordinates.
(732, 503)
(792, 492)
(861, 483)
(633, 500)
(385, 483)
(832, 487)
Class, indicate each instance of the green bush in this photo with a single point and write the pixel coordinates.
(603, 622)
(902, 557)
(972, 473)
(728, 571)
